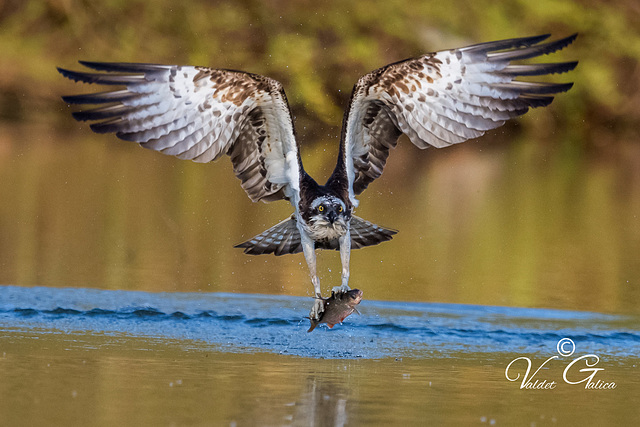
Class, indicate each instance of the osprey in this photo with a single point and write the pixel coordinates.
(200, 114)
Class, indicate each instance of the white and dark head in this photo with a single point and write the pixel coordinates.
(328, 212)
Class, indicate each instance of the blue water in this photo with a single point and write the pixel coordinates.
(275, 323)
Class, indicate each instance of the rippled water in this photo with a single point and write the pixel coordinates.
(245, 323)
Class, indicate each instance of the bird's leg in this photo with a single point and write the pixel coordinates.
(345, 255)
(308, 248)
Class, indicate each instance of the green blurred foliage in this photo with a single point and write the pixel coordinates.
(318, 49)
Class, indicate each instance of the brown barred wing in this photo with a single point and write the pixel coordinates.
(199, 114)
(443, 98)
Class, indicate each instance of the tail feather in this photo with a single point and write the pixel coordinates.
(365, 233)
(283, 238)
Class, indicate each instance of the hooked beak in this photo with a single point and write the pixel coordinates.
(332, 215)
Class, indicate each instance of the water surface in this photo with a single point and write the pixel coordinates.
(277, 324)
(86, 356)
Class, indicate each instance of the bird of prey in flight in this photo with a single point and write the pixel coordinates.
(200, 114)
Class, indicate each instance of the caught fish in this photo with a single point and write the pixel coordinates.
(337, 307)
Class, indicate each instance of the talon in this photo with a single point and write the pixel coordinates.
(340, 289)
(317, 309)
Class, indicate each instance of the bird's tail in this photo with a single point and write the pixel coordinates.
(365, 233)
(284, 238)
(281, 239)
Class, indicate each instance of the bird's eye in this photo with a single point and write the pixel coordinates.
(320, 208)
(340, 209)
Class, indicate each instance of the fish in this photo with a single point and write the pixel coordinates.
(337, 307)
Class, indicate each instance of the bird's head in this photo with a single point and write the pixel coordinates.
(329, 211)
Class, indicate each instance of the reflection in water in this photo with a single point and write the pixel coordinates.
(323, 403)
(50, 378)
(515, 224)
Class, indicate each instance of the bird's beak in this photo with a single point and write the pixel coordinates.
(332, 216)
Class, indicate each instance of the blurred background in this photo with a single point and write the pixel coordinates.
(543, 212)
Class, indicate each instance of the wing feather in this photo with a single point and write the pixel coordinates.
(199, 114)
(443, 98)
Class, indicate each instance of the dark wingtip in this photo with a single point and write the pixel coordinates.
(563, 67)
(562, 43)
(512, 43)
(78, 115)
(566, 86)
(124, 67)
(68, 99)
(108, 126)
(66, 73)
(533, 50)
(91, 64)
(539, 38)
(529, 41)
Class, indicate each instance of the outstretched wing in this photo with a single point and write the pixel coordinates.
(443, 98)
(199, 114)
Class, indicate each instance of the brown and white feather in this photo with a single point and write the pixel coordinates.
(443, 98)
(199, 114)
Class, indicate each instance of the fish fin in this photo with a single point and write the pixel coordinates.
(365, 233)
(356, 310)
(283, 238)
(313, 325)
(331, 325)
